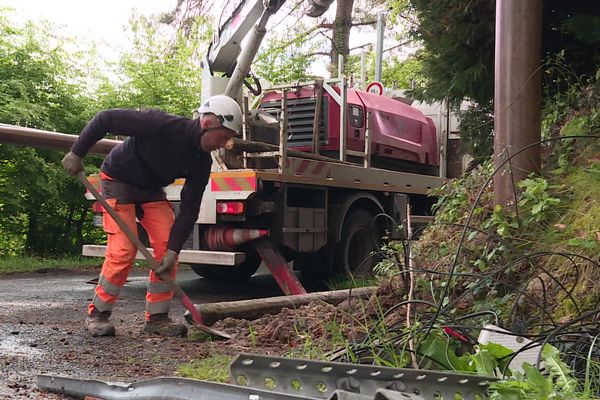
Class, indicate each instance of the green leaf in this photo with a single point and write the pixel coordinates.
(559, 370)
(496, 350)
(472, 235)
(437, 348)
(485, 364)
(536, 380)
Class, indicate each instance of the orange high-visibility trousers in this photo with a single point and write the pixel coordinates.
(120, 253)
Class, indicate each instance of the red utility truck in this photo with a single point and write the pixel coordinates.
(325, 168)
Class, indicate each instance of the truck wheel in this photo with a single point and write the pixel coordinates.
(354, 254)
(238, 273)
(316, 266)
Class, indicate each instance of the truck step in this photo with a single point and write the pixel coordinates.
(217, 258)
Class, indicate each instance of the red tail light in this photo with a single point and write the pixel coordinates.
(97, 208)
(230, 207)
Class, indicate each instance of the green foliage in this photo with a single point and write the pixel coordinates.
(503, 222)
(456, 195)
(214, 369)
(157, 73)
(535, 200)
(287, 59)
(477, 130)
(458, 41)
(576, 126)
(342, 282)
(557, 383)
(30, 264)
(42, 86)
(585, 27)
(396, 72)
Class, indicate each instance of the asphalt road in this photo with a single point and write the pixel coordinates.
(41, 328)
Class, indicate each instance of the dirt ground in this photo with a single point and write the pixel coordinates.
(41, 330)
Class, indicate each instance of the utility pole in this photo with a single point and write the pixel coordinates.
(379, 46)
(517, 93)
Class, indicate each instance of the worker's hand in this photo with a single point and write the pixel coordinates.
(73, 163)
(167, 263)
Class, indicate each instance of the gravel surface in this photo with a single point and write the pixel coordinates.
(41, 330)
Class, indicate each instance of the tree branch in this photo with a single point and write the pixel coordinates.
(363, 23)
(324, 25)
(318, 53)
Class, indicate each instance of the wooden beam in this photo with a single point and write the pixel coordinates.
(256, 308)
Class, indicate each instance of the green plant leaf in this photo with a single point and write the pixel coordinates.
(500, 353)
(559, 370)
(485, 364)
(537, 382)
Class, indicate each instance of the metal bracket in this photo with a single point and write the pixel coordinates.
(320, 380)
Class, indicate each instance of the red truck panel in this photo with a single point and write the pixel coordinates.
(398, 131)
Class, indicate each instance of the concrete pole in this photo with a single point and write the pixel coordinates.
(517, 88)
(363, 70)
(379, 46)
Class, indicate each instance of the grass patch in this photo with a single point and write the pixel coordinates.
(340, 283)
(9, 265)
(214, 369)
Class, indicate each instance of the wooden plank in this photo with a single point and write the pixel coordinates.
(256, 308)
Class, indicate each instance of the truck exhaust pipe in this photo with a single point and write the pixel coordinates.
(218, 238)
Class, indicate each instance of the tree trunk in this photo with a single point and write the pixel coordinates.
(79, 226)
(31, 233)
(341, 33)
(67, 228)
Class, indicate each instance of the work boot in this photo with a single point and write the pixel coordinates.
(97, 324)
(162, 325)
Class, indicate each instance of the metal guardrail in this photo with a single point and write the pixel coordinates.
(156, 389)
(320, 380)
(258, 377)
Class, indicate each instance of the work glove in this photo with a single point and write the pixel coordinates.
(73, 163)
(167, 263)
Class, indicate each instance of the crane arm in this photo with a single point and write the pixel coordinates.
(225, 54)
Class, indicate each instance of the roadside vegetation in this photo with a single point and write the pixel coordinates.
(531, 268)
(9, 265)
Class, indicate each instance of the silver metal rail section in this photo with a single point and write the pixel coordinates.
(258, 377)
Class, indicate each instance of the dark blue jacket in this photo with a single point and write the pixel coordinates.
(159, 149)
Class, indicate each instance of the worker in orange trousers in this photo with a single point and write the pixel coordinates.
(160, 148)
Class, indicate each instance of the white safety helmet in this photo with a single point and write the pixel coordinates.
(226, 109)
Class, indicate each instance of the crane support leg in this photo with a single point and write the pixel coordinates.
(281, 271)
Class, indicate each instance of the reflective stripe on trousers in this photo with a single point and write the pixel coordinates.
(120, 252)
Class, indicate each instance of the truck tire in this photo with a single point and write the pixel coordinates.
(238, 273)
(354, 253)
(316, 266)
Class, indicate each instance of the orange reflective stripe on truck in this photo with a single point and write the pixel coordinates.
(233, 181)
